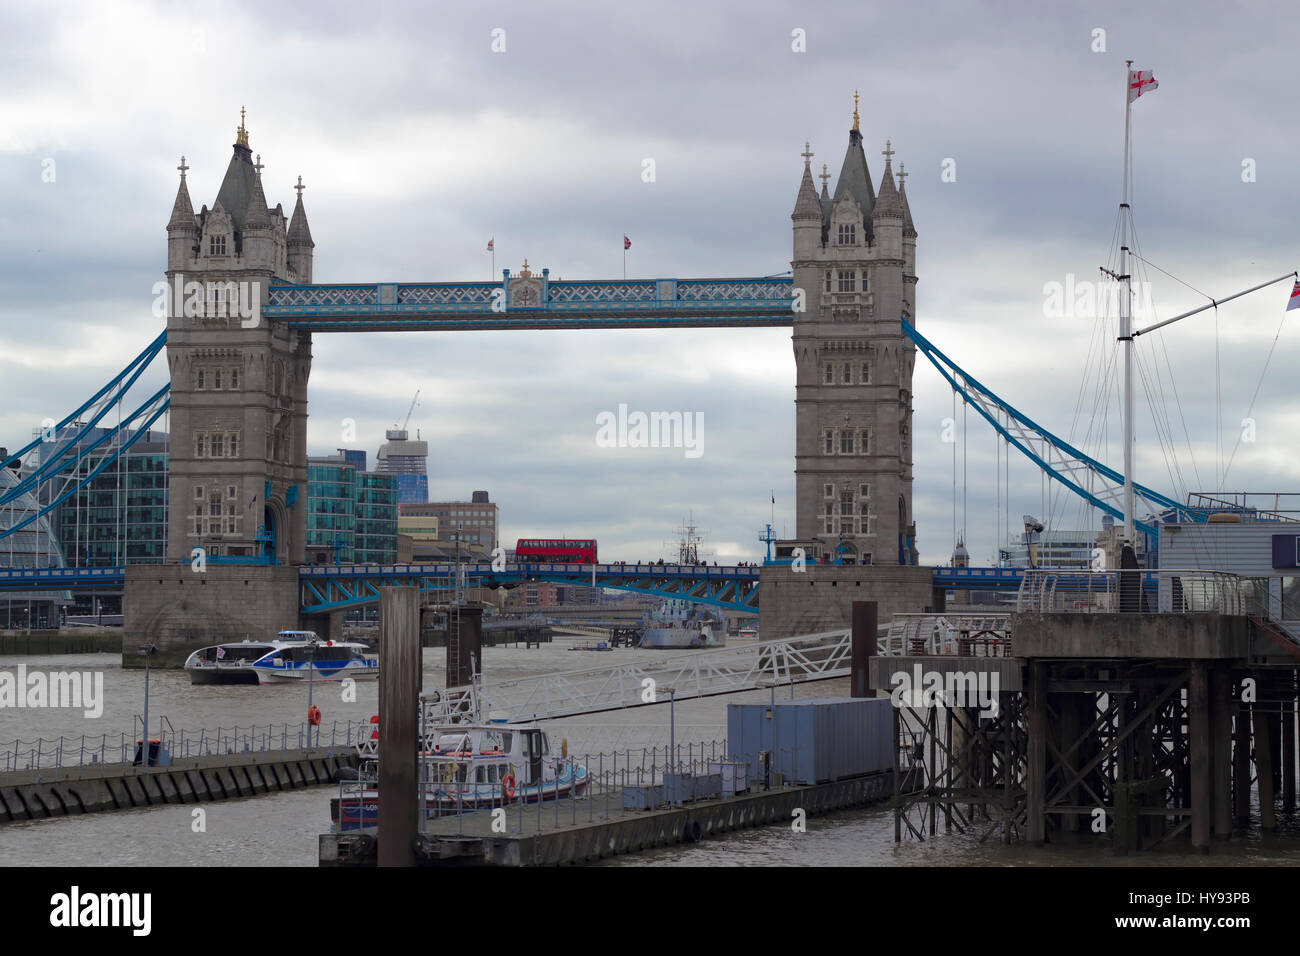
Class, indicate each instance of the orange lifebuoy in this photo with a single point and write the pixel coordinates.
(313, 715)
(508, 786)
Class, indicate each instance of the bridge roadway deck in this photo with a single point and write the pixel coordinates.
(605, 304)
(325, 588)
(597, 825)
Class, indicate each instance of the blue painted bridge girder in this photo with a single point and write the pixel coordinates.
(596, 304)
(338, 587)
(1008, 579)
(61, 579)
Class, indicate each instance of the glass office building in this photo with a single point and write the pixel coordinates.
(331, 508)
(120, 517)
(376, 541)
(351, 515)
(408, 460)
(32, 546)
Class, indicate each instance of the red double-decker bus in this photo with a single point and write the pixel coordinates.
(555, 551)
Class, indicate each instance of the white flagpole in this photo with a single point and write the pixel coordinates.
(1126, 319)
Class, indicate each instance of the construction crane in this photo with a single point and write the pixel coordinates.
(400, 434)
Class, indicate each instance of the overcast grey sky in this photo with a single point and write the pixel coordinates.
(418, 143)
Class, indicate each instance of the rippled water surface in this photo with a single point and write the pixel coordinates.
(282, 829)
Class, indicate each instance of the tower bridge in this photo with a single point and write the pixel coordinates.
(237, 400)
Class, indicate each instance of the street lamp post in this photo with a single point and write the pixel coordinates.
(146, 651)
(311, 674)
(672, 728)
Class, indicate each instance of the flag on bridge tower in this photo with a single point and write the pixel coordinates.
(1139, 82)
(627, 243)
(1295, 298)
(492, 244)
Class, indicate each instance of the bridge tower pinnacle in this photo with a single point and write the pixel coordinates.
(238, 449)
(855, 259)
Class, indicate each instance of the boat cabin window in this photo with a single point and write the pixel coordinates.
(453, 743)
(229, 653)
(535, 744)
(319, 653)
(449, 772)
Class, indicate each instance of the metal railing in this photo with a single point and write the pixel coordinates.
(1196, 590)
(648, 680)
(610, 784)
(119, 749)
(967, 634)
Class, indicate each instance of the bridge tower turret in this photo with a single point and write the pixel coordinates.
(300, 243)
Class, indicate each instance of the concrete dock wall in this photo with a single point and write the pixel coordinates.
(37, 794)
(449, 842)
(76, 640)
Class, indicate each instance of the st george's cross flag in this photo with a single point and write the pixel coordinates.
(627, 243)
(491, 243)
(1139, 82)
(1295, 298)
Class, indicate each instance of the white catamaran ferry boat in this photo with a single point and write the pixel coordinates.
(471, 767)
(291, 656)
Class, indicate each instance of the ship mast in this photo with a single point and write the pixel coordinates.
(1126, 331)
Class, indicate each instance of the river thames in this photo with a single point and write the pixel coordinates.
(282, 829)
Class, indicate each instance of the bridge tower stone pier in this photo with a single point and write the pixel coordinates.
(237, 470)
(855, 266)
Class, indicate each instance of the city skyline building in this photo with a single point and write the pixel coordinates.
(34, 546)
(475, 523)
(331, 510)
(351, 515)
(376, 504)
(120, 517)
(407, 459)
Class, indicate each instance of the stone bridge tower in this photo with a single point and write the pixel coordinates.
(855, 259)
(237, 470)
(855, 262)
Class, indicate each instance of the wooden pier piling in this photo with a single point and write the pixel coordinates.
(399, 700)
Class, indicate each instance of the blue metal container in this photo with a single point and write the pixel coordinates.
(643, 796)
(813, 741)
(685, 787)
